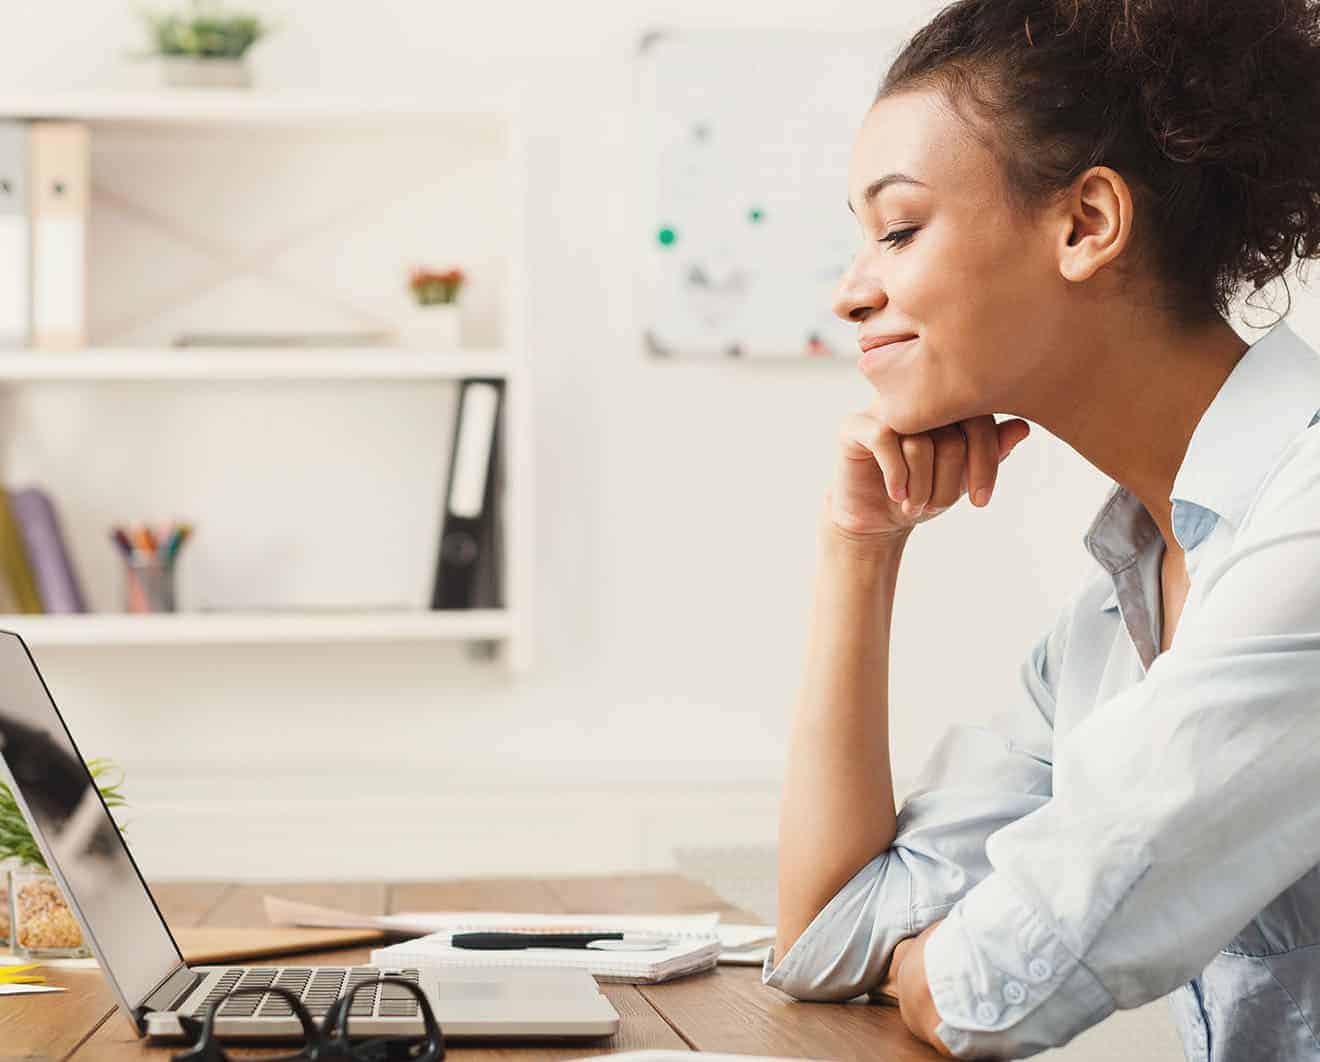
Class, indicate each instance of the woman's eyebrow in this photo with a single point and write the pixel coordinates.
(877, 186)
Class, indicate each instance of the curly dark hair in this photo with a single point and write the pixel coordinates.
(1210, 109)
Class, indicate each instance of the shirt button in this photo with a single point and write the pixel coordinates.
(1014, 992)
(986, 1012)
(1039, 969)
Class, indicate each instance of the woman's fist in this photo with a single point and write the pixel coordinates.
(887, 483)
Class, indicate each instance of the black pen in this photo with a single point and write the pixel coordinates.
(509, 941)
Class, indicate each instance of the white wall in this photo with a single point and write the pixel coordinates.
(675, 526)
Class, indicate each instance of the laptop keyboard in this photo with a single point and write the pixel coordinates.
(317, 988)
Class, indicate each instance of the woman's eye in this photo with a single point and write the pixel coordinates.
(898, 237)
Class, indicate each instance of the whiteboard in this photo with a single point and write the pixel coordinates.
(747, 138)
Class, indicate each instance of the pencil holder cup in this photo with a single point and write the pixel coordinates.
(148, 585)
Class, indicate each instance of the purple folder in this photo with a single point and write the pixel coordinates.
(57, 582)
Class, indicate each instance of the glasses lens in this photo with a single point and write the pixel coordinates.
(256, 997)
(279, 1001)
(385, 1022)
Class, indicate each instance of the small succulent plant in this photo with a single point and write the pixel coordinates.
(204, 31)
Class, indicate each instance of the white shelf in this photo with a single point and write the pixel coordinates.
(198, 363)
(236, 106)
(207, 628)
(259, 120)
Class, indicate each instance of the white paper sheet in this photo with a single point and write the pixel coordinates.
(23, 990)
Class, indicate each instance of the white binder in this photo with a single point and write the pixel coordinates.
(60, 194)
(15, 237)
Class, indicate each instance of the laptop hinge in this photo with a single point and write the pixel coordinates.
(172, 991)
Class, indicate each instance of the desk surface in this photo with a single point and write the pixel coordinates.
(725, 1010)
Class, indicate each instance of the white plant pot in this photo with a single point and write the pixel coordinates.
(431, 327)
(186, 71)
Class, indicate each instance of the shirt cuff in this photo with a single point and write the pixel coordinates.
(1003, 982)
(848, 946)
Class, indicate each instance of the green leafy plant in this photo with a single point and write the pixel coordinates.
(204, 31)
(16, 840)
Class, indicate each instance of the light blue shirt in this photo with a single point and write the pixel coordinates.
(1139, 824)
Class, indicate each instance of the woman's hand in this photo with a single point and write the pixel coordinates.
(907, 981)
(886, 483)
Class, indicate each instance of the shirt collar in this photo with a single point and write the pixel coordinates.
(1272, 393)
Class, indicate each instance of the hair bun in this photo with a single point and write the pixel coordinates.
(1217, 80)
(1231, 87)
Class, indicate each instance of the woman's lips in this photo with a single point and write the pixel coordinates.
(871, 357)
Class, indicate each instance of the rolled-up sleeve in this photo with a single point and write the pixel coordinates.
(977, 779)
(1181, 808)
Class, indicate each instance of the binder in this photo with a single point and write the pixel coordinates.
(39, 525)
(60, 196)
(8, 599)
(467, 567)
(488, 589)
(15, 236)
(14, 560)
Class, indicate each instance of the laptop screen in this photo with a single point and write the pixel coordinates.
(57, 794)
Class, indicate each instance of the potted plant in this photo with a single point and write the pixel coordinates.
(434, 320)
(204, 46)
(41, 924)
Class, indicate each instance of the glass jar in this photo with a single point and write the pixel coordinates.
(41, 922)
(4, 907)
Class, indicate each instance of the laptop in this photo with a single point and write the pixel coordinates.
(153, 984)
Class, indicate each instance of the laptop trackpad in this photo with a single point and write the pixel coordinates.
(457, 990)
(474, 983)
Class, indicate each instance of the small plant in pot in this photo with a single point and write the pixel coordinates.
(41, 923)
(434, 320)
(204, 45)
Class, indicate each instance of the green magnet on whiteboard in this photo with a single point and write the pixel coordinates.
(667, 236)
(755, 214)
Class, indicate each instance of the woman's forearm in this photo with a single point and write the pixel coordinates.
(837, 809)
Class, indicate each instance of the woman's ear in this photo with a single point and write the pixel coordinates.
(1096, 223)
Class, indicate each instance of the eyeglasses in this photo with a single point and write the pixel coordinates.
(328, 1041)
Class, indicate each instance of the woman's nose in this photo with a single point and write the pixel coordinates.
(859, 293)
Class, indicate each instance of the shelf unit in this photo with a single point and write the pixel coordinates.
(230, 106)
(235, 628)
(504, 633)
(200, 364)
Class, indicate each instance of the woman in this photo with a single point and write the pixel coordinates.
(1058, 201)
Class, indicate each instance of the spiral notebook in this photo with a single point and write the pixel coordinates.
(694, 948)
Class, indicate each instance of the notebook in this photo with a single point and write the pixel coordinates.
(689, 954)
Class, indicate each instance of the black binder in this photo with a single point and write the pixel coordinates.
(468, 568)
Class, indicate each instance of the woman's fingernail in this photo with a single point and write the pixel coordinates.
(982, 495)
(901, 493)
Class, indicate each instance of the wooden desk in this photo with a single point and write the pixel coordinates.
(727, 1009)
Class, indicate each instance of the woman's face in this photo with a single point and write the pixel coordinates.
(950, 261)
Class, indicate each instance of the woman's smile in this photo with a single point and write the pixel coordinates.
(876, 356)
